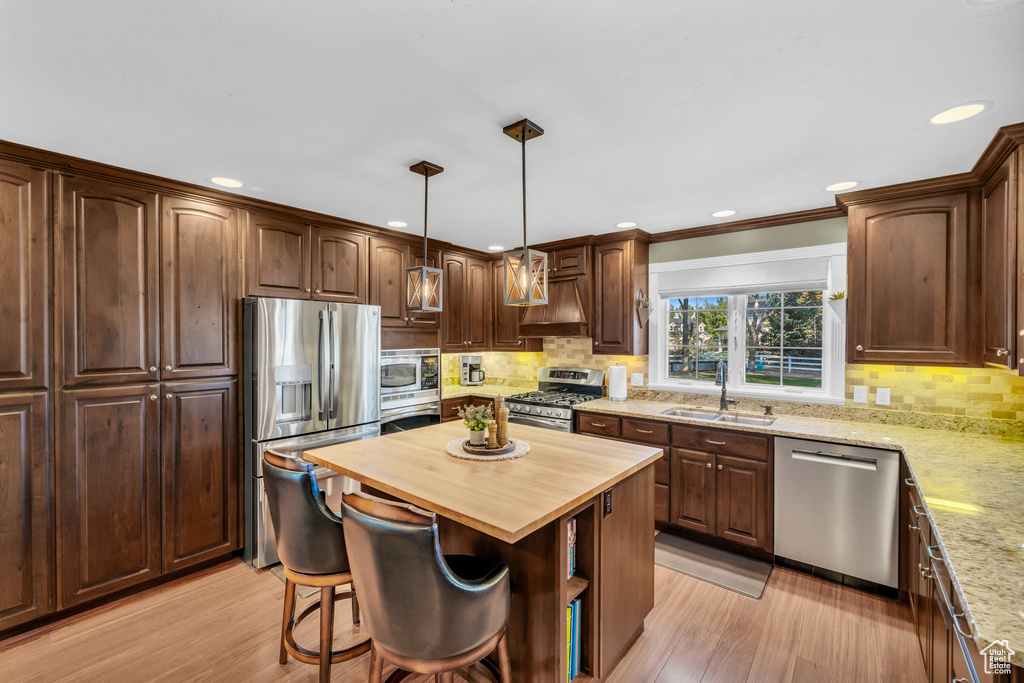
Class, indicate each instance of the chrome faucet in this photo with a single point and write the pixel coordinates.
(720, 382)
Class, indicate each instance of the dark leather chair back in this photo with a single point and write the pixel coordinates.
(310, 539)
(413, 604)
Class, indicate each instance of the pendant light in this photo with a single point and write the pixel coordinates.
(526, 270)
(424, 285)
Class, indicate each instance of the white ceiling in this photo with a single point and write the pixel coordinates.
(655, 111)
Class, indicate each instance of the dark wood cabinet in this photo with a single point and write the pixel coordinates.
(277, 257)
(741, 508)
(26, 525)
(693, 490)
(199, 472)
(467, 303)
(626, 582)
(339, 265)
(569, 262)
(199, 289)
(25, 297)
(505, 320)
(108, 484)
(909, 281)
(107, 308)
(999, 278)
(450, 406)
(620, 272)
(388, 261)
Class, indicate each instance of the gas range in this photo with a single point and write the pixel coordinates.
(559, 390)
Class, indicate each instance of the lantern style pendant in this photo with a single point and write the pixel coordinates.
(424, 286)
(526, 270)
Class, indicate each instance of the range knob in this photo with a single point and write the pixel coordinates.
(551, 412)
(526, 409)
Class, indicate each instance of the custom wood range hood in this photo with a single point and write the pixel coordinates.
(563, 316)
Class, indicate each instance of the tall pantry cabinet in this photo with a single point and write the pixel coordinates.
(147, 317)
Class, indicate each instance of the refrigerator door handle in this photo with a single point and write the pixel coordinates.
(331, 397)
(320, 364)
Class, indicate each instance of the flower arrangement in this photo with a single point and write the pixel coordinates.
(476, 417)
(837, 296)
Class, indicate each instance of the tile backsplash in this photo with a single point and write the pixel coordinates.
(969, 392)
(961, 392)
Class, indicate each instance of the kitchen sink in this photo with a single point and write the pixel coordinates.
(754, 420)
(693, 414)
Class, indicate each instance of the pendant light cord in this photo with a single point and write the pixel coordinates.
(524, 189)
(426, 195)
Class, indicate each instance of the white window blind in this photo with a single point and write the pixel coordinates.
(788, 276)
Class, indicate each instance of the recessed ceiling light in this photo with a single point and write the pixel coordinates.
(839, 187)
(225, 182)
(959, 113)
(397, 224)
(724, 214)
(495, 247)
(627, 224)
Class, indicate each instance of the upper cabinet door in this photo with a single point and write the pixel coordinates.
(388, 261)
(478, 303)
(107, 287)
(456, 305)
(505, 325)
(24, 278)
(999, 266)
(277, 257)
(613, 283)
(569, 262)
(25, 509)
(339, 266)
(908, 280)
(108, 483)
(199, 287)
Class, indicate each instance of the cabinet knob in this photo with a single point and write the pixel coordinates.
(1002, 352)
(152, 397)
(167, 395)
(307, 289)
(167, 368)
(316, 291)
(719, 467)
(153, 369)
(859, 347)
(709, 466)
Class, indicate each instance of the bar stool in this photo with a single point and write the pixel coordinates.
(428, 613)
(311, 545)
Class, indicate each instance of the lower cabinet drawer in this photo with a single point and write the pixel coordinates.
(661, 470)
(730, 442)
(599, 424)
(642, 430)
(661, 503)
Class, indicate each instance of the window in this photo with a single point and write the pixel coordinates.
(766, 316)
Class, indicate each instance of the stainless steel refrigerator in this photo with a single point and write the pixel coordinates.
(311, 377)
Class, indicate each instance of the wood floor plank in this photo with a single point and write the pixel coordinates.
(223, 625)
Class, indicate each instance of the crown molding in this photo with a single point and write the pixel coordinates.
(807, 216)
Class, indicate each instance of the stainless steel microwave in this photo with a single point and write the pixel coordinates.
(409, 377)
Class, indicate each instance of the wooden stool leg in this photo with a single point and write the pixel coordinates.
(355, 609)
(376, 665)
(326, 632)
(503, 661)
(446, 677)
(289, 614)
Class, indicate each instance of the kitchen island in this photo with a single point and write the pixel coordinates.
(518, 511)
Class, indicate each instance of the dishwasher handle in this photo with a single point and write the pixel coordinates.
(853, 461)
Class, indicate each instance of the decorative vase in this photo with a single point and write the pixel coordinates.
(477, 437)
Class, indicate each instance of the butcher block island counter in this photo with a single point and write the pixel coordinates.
(519, 511)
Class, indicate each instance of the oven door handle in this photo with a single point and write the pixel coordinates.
(531, 421)
(411, 411)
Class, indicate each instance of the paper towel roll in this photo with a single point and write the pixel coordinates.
(617, 382)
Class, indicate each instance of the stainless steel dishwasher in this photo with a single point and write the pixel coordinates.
(836, 507)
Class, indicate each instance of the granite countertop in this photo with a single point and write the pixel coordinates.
(973, 488)
(489, 390)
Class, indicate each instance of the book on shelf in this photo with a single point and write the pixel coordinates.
(572, 630)
(572, 547)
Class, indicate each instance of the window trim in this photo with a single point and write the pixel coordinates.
(833, 387)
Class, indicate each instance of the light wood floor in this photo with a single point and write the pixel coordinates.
(223, 625)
